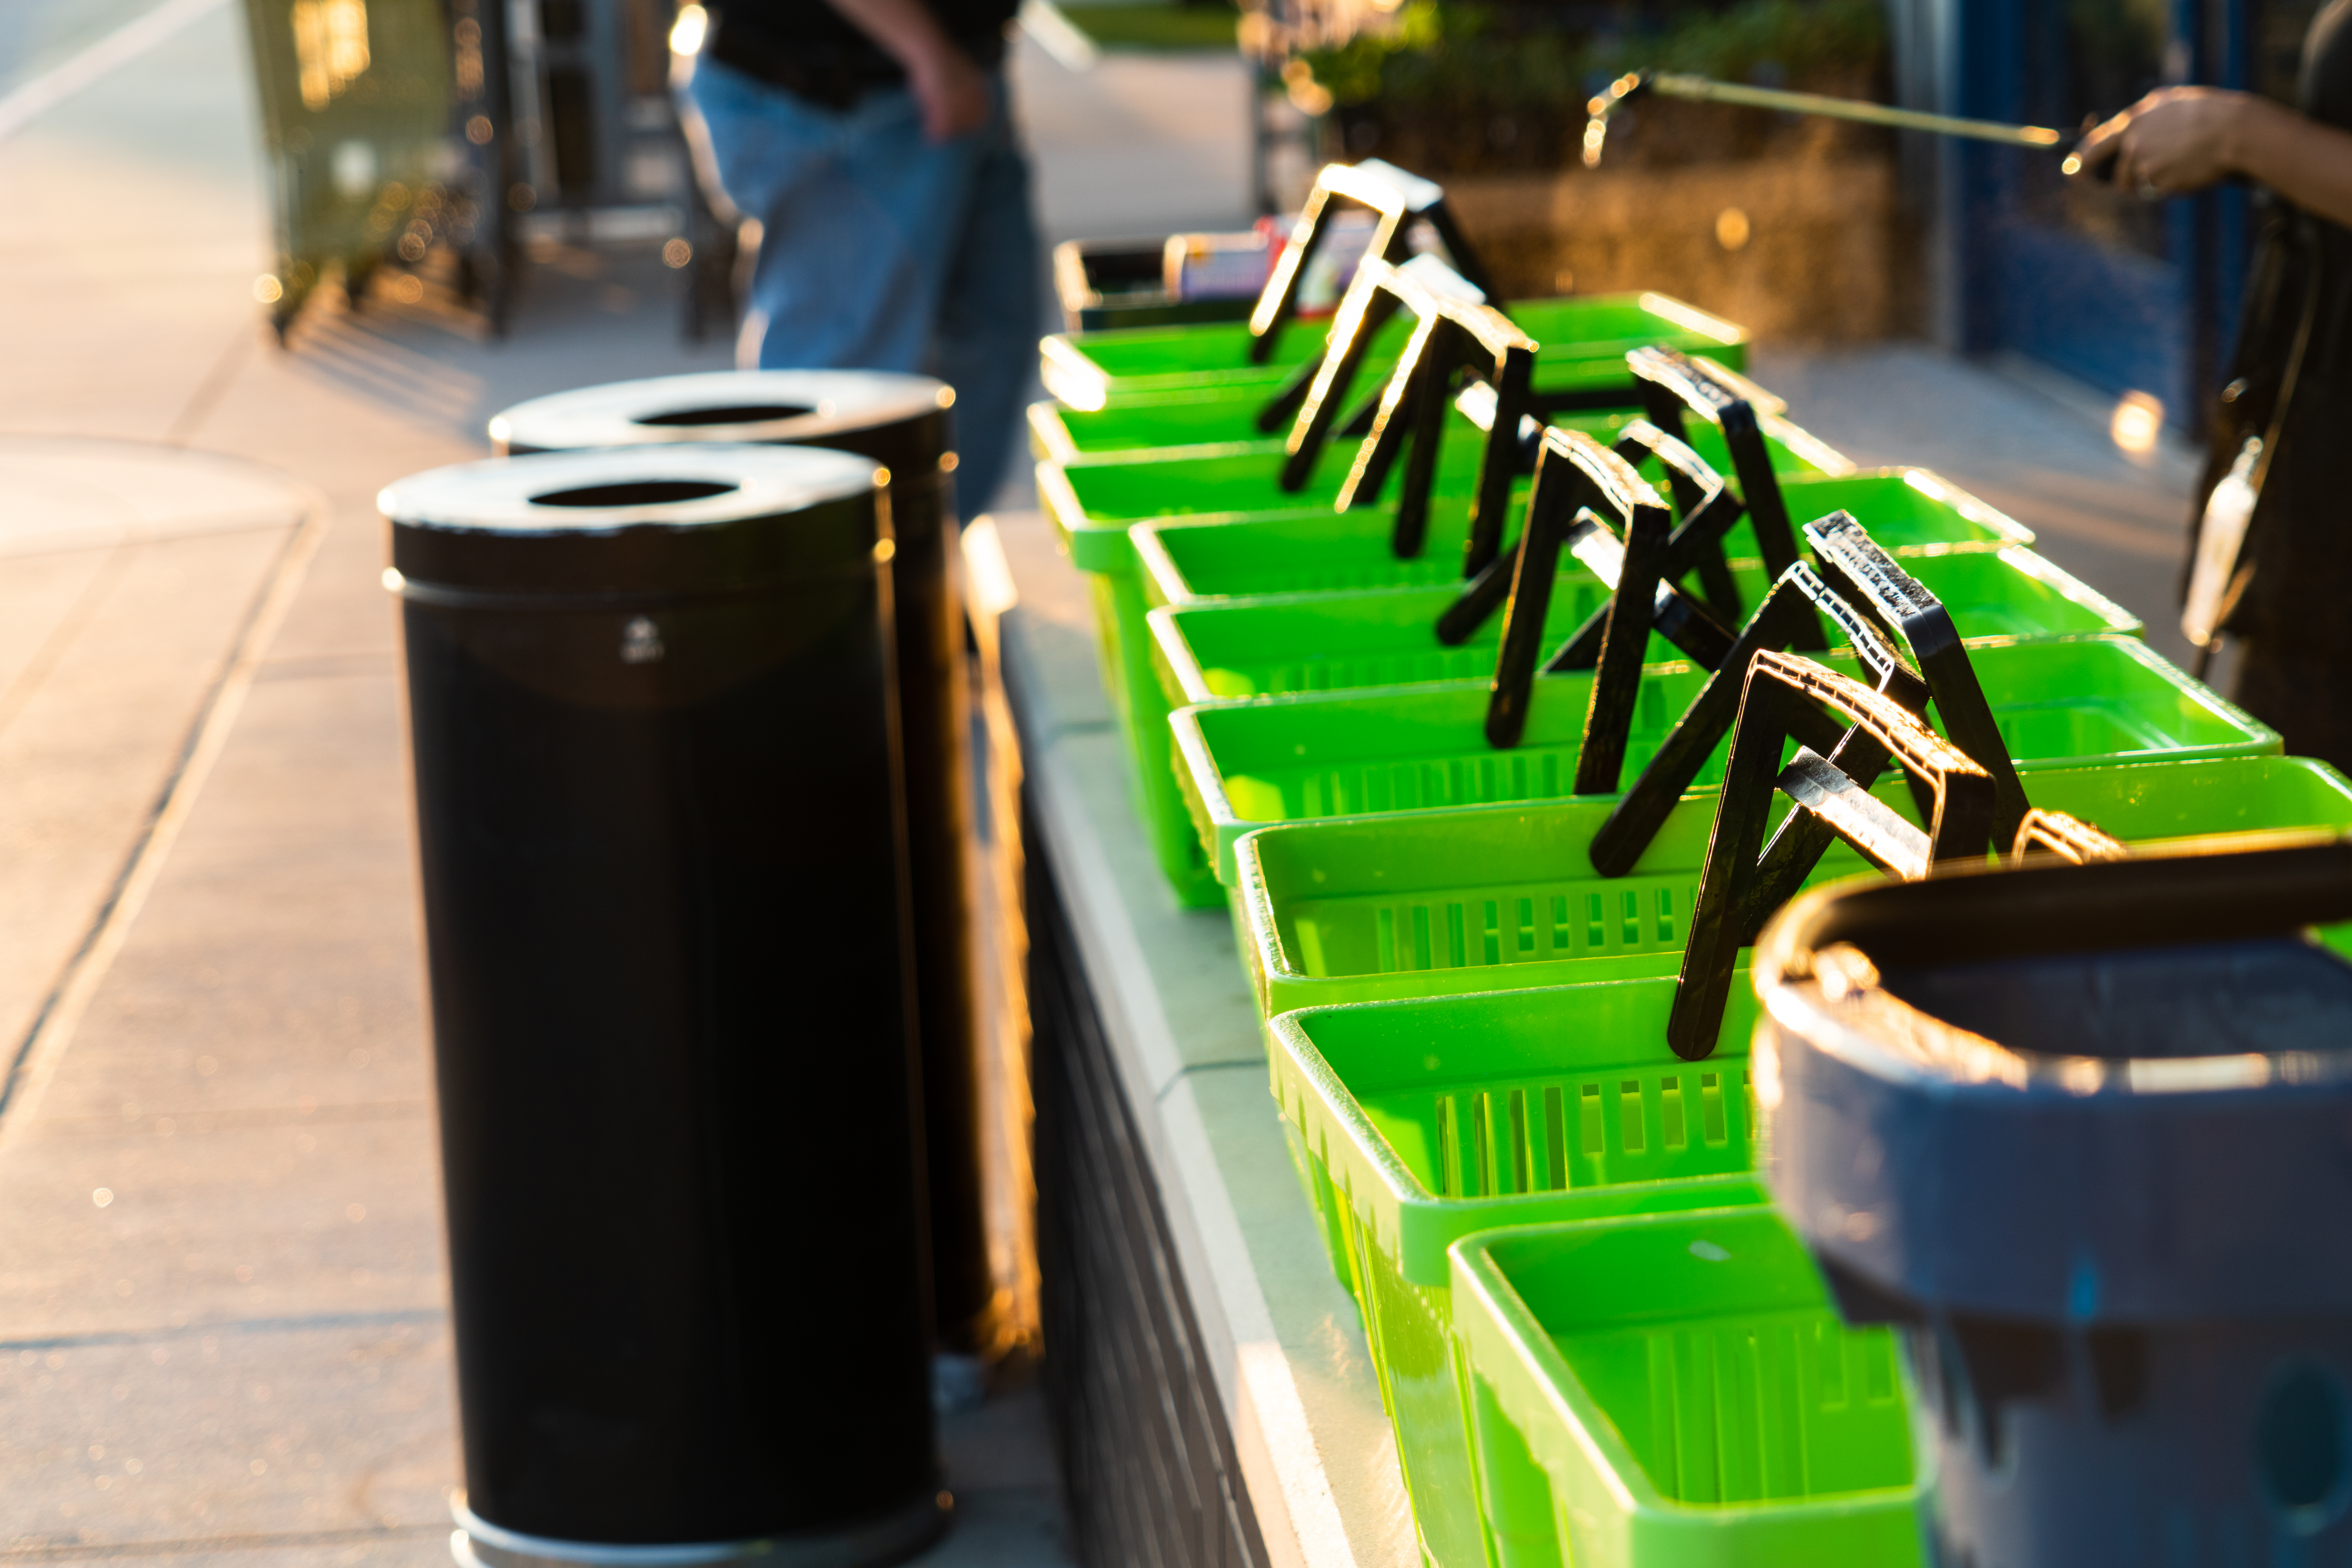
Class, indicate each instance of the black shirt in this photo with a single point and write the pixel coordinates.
(2302, 544)
(783, 40)
(2324, 91)
(2324, 88)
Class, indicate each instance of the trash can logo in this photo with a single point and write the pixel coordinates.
(641, 641)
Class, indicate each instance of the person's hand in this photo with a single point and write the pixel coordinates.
(2173, 143)
(952, 91)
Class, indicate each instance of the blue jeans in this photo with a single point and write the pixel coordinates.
(881, 250)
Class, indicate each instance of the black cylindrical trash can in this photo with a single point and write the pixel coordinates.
(2086, 1135)
(901, 422)
(665, 914)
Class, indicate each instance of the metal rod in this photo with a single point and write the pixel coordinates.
(1701, 90)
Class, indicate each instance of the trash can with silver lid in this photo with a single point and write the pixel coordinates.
(903, 423)
(2084, 1134)
(662, 853)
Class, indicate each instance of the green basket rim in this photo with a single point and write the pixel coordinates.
(1184, 679)
(1410, 1225)
(1270, 965)
(1212, 813)
(1545, 1399)
(1170, 587)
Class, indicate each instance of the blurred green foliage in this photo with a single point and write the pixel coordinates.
(1462, 84)
(1186, 27)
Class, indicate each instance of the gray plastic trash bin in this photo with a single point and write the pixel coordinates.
(2086, 1135)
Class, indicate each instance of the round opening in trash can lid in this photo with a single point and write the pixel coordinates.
(638, 492)
(795, 407)
(608, 491)
(731, 414)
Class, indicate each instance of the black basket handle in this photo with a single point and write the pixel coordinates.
(1672, 382)
(1695, 486)
(1869, 579)
(1708, 510)
(1572, 468)
(1585, 473)
(1779, 686)
(1592, 472)
(1451, 333)
(1475, 403)
(1674, 615)
(1309, 401)
(1398, 199)
(1417, 398)
(1394, 196)
(1535, 570)
(1788, 608)
(1377, 293)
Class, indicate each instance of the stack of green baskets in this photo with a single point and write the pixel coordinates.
(1130, 377)
(1598, 1345)
(1182, 559)
(1159, 423)
(1428, 1106)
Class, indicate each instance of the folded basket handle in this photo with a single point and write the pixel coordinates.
(1699, 495)
(1798, 846)
(1870, 580)
(1778, 687)
(1788, 608)
(1672, 382)
(1571, 469)
(1399, 199)
(1451, 333)
(1393, 196)
(1708, 510)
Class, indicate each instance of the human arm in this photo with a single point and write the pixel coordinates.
(952, 90)
(2179, 140)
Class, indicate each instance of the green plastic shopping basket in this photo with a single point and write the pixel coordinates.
(1123, 644)
(1167, 422)
(1420, 1121)
(1489, 899)
(1226, 650)
(1356, 544)
(1677, 1390)
(1450, 332)
(1426, 1121)
(1395, 204)
(1092, 371)
(1909, 512)
(1388, 750)
(1123, 641)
